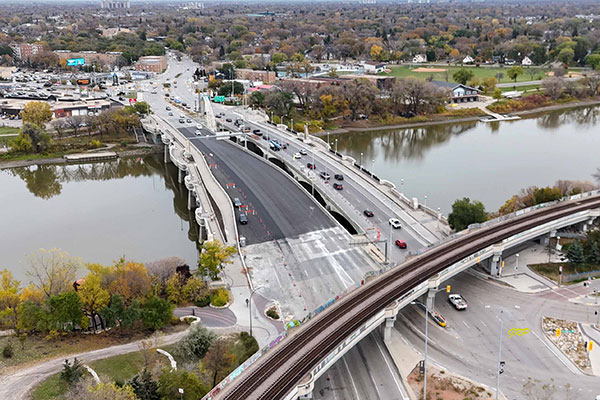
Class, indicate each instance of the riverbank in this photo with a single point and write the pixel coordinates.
(446, 121)
(136, 152)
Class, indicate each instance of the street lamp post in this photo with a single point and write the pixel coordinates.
(439, 217)
(250, 306)
(425, 360)
(271, 116)
(499, 357)
(425, 200)
(292, 127)
(336, 146)
(517, 265)
(328, 144)
(361, 154)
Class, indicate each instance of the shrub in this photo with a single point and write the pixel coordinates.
(219, 297)
(7, 351)
(202, 301)
(272, 313)
(71, 373)
(95, 144)
(123, 143)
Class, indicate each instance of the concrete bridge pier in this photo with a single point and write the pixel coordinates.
(387, 328)
(180, 175)
(202, 231)
(587, 224)
(191, 200)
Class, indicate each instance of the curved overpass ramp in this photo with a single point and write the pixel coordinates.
(278, 372)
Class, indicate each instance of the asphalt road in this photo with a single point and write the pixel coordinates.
(366, 372)
(469, 344)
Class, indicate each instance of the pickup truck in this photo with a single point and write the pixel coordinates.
(457, 301)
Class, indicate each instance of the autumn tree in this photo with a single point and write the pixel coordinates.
(212, 257)
(219, 360)
(171, 381)
(9, 299)
(53, 271)
(93, 297)
(37, 112)
(39, 140)
(514, 73)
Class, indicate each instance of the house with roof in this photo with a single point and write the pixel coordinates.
(371, 67)
(419, 58)
(526, 61)
(459, 93)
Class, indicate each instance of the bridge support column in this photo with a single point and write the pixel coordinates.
(180, 176)
(191, 198)
(306, 396)
(495, 264)
(166, 159)
(546, 241)
(387, 329)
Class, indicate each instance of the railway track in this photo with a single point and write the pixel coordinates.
(275, 374)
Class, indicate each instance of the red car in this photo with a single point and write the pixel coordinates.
(401, 243)
(311, 166)
(338, 186)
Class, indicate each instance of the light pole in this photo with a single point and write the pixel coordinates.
(425, 200)
(328, 144)
(181, 393)
(389, 247)
(425, 359)
(517, 265)
(372, 165)
(361, 154)
(271, 116)
(499, 357)
(292, 127)
(336, 146)
(250, 306)
(439, 217)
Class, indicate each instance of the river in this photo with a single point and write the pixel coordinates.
(130, 207)
(484, 161)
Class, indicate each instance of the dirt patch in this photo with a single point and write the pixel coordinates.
(567, 75)
(444, 386)
(425, 69)
(570, 342)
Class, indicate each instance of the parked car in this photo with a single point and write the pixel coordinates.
(303, 152)
(311, 166)
(325, 175)
(395, 223)
(198, 132)
(257, 131)
(170, 113)
(237, 203)
(339, 177)
(217, 116)
(368, 213)
(457, 301)
(181, 121)
(182, 116)
(243, 219)
(400, 243)
(189, 121)
(338, 186)
(228, 119)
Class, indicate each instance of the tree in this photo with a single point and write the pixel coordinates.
(225, 89)
(575, 252)
(160, 271)
(93, 297)
(212, 256)
(257, 99)
(376, 52)
(40, 140)
(417, 96)
(489, 84)
(87, 390)
(52, 270)
(174, 290)
(514, 72)
(141, 107)
(592, 81)
(359, 95)
(464, 213)
(156, 313)
(169, 383)
(244, 348)
(553, 87)
(219, 360)
(71, 373)
(22, 143)
(65, 312)
(279, 102)
(9, 299)
(593, 60)
(278, 58)
(227, 70)
(566, 55)
(463, 76)
(130, 280)
(593, 256)
(497, 94)
(196, 343)
(36, 112)
(144, 387)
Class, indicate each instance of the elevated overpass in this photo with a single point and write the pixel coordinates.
(289, 369)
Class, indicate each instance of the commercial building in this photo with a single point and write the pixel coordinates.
(151, 64)
(373, 67)
(60, 109)
(115, 4)
(266, 77)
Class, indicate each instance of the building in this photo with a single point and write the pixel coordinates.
(155, 64)
(24, 51)
(526, 61)
(115, 4)
(60, 109)
(459, 93)
(468, 60)
(373, 67)
(266, 77)
(110, 32)
(420, 58)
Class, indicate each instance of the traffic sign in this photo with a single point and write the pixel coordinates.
(558, 332)
(448, 287)
(72, 62)
(219, 99)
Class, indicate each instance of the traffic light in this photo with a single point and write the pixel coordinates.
(448, 288)
(590, 345)
(558, 332)
(501, 370)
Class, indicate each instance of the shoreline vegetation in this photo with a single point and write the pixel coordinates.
(452, 120)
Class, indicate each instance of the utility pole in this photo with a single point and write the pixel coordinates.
(500, 366)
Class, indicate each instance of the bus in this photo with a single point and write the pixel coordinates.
(274, 145)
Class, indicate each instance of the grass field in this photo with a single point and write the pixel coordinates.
(403, 71)
(7, 130)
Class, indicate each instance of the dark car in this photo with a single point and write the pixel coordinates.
(181, 120)
(168, 108)
(237, 203)
(338, 186)
(400, 243)
(325, 175)
(339, 177)
(243, 219)
(184, 104)
(228, 119)
(217, 116)
(311, 166)
(189, 121)
(368, 213)
(257, 131)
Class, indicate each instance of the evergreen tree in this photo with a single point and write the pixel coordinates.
(575, 253)
(144, 387)
(593, 256)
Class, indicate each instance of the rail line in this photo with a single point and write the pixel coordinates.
(276, 373)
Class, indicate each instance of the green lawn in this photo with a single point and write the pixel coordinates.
(528, 88)
(7, 130)
(402, 71)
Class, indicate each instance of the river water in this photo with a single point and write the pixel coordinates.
(484, 161)
(130, 207)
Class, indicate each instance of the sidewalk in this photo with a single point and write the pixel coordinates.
(590, 333)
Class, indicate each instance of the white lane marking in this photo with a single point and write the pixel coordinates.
(467, 325)
(484, 324)
(391, 370)
(351, 379)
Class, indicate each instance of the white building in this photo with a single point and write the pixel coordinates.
(526, 61)
(373, 67)
(468, 60)
(419, 58)
(115, 4)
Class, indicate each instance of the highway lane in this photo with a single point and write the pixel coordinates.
(366, 372)
(469, 345)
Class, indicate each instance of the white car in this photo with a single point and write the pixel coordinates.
(198, 132)
(395, 223)
(303, 152)
(198, 126)
(457, 301)
(296, 156)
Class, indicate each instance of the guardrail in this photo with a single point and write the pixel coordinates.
(581, 275)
